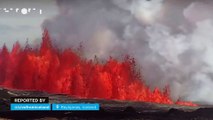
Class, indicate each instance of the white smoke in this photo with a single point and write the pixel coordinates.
(198, 11)
(146, 11)
(188, 59)
(171, 51)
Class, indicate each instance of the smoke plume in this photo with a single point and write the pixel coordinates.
(171, 40)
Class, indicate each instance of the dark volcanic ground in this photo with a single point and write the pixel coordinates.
(110, 110)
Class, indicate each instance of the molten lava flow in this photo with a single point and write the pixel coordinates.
(48, 69)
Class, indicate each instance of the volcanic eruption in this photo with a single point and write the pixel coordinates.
(67, 72)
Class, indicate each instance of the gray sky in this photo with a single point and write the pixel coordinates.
(17, 26)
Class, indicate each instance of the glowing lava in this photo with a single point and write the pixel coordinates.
(54, 71)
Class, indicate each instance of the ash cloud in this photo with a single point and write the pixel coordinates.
(171, 40)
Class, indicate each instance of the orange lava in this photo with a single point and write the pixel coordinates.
(53, 71)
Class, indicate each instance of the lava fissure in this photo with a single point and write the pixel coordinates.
(50, 70)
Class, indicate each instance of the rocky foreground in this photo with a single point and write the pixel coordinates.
(110, 110)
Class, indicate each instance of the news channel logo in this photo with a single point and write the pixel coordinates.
(21, 11)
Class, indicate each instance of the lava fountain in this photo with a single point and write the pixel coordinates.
(65, 72)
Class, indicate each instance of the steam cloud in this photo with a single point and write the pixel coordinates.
(171, 40)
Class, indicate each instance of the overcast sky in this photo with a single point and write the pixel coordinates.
(17, 26)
